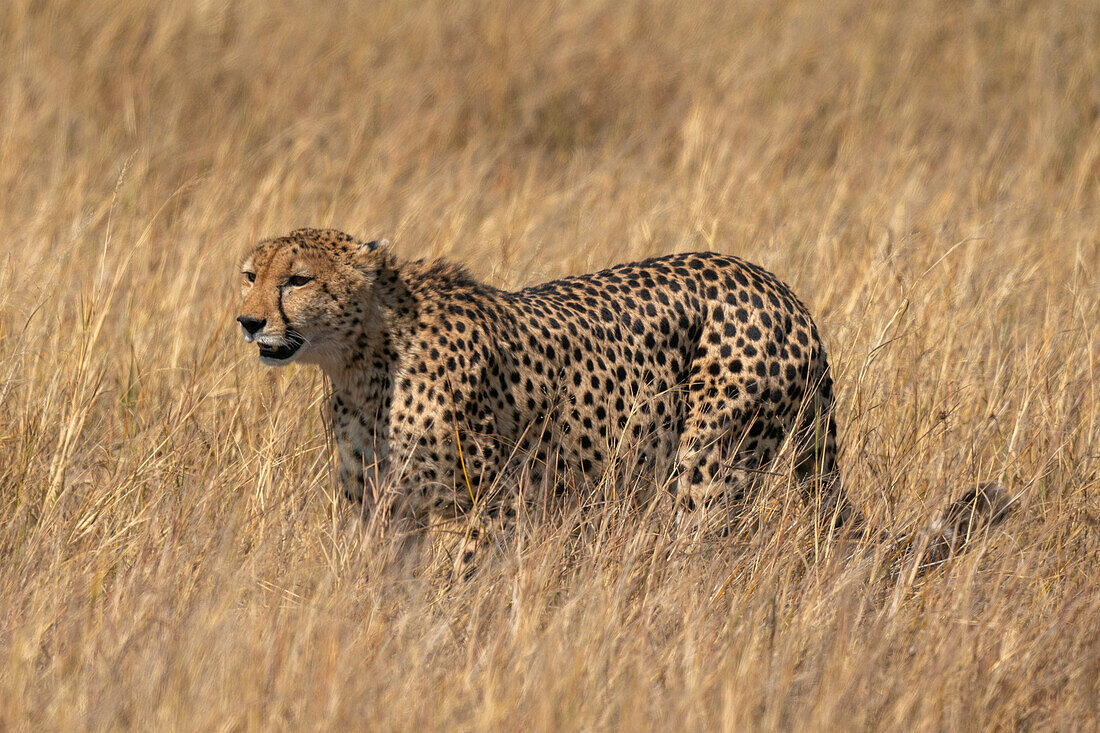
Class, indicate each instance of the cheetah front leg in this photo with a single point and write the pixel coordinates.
(464, 543)
(458, 541)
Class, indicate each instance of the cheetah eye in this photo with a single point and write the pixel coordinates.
(249, 276)
(298, 281)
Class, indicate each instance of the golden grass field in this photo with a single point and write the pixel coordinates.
(925, 175)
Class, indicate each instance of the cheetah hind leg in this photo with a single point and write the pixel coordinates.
(716, 477)
(710, 488)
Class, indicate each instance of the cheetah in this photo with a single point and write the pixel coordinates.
(699, 367)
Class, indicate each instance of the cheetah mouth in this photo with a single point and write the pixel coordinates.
(281, 354)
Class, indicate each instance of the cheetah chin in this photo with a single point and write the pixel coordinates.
(280, 352)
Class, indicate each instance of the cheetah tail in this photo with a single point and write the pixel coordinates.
(961, 521)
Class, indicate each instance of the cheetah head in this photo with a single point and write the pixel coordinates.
(304, 292)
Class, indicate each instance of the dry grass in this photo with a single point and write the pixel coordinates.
(925, 174)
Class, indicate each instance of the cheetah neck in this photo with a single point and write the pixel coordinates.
(377, 338)
(379, 341)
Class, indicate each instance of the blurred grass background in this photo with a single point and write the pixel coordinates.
(924, 174)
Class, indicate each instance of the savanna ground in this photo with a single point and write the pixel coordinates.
(926, 175)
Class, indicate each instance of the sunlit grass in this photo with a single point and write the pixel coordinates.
(923, 174)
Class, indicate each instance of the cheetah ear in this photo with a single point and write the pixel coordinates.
(374, 245)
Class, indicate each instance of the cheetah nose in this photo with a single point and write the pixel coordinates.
(251, 325)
